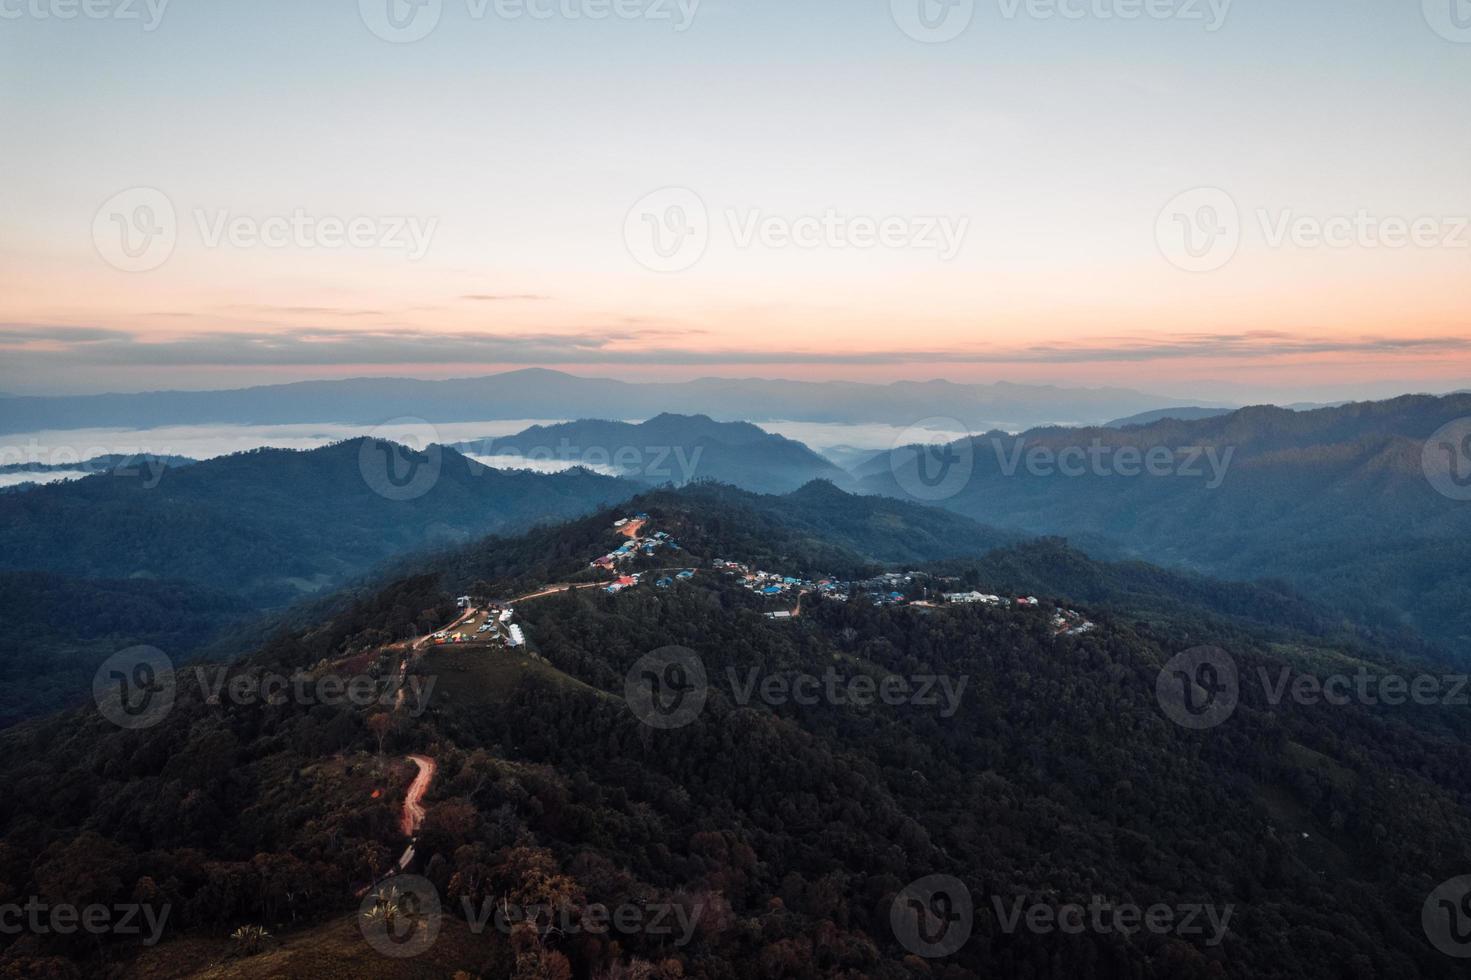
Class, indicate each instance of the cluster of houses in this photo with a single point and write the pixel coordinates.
(1065, 622)
(663, 582)
(635, 545)
(769, 584)
(775, 585)
(890, 588)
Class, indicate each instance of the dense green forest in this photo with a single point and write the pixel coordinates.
(784, 830)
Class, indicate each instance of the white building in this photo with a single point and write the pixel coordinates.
(517, 638)
(970, 598)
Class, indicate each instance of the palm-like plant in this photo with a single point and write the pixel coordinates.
(250, 940)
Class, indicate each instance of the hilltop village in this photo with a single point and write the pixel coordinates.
(891, 588)
(493, 622)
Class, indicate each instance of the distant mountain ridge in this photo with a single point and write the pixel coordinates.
(272, 525)
(674, 449)
(1189, 414)
(1334, 501)
(196, 555)
(540, 393)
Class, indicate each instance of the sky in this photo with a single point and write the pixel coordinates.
(1183, 196)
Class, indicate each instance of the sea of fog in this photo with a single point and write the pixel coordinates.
(67, 447)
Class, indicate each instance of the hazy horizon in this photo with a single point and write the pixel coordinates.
(1208, 393)
(1167, 197)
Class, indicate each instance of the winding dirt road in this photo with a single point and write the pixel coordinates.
(413, 814)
